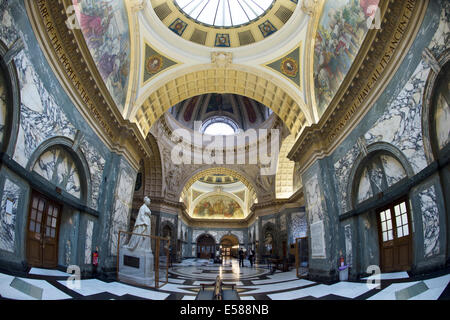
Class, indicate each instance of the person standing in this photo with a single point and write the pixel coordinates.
(241, 257)
(251, 256)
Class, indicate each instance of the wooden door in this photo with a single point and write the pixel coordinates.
(395, 237)
(205, 247)
(43, 232)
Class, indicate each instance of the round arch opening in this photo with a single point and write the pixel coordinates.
(206, 247)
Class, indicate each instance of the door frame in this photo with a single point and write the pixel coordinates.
(391, 206)
(48, 200)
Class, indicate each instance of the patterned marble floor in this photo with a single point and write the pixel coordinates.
(256, 283)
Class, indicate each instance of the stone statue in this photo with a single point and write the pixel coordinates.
(141, 226)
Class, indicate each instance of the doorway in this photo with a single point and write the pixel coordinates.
(229, 246)
(43, 231)
(395, 237)
(206, 246)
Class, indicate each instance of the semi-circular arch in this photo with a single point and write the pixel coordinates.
(250, 82)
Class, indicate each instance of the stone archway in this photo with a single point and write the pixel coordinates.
(235, 79)
(206, 246)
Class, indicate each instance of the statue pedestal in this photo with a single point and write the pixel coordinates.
(137, 266)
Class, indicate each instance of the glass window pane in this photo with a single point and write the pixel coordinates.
(47, 232)
(55, 212)
(33, 214)
(405, 231)
(382, 215)
(399, 232)
(53, 233)
(403, 207)
(35, 203)
(405, 219)
(41, 205)
(383, 226)
(390, 235)
(398, 221)
(388, 214)
(242, 11)
(397, 210)
(384, 236)
(32, 225)
(54, 223)
(38, 227)
(39, 217)
(389, 224)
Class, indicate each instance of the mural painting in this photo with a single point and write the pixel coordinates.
(104, 25)
(342, 29)
(218, 207)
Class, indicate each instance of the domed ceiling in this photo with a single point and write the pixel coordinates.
(317, 42)
(218, 179)
(239, 111)
(217, 196)
(224, 23)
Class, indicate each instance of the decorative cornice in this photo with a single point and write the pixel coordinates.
(372, 70)
(72, 63)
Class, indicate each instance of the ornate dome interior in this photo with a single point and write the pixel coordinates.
(312, 130)
(238, 111)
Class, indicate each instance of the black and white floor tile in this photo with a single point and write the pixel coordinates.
(252, 283)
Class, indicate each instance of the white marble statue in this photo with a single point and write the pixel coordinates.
(142, 226)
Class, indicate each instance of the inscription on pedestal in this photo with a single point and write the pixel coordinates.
(131, 261)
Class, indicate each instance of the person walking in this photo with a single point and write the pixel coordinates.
(241, 257)
(251, 256)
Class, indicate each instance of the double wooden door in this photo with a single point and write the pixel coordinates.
(395, 237)
(43, 231)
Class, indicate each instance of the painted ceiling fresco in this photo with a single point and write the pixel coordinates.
(104, 25)
(218, 207)
(342, 29)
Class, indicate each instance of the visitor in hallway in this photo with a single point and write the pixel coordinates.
(241, 257)
(251, 256)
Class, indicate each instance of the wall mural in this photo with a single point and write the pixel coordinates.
(218, 207)
(342, 29)
(104, 25)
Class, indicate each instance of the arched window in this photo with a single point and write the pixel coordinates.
(57, 166)
(378, 172)
(216, 126)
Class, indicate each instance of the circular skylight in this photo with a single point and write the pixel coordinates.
(224, 13)
(219, 129)
(219, 126)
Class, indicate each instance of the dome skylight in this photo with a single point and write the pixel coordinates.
(224, 13)
(219, 128)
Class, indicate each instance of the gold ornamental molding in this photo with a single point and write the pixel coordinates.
(378, 60)
(72, 63)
